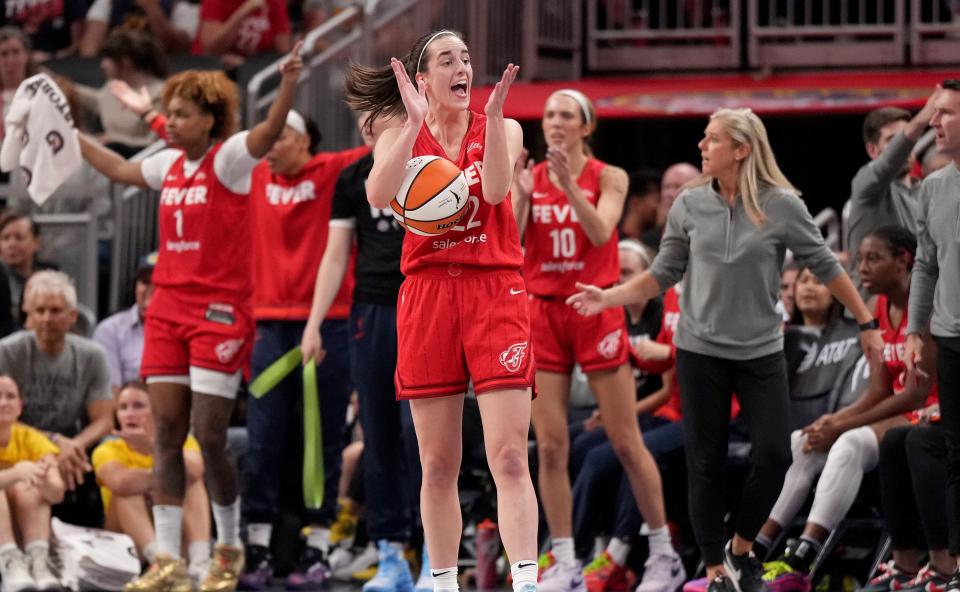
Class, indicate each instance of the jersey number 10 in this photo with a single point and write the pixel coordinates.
(564, 242)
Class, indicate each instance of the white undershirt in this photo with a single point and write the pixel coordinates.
(232, 165)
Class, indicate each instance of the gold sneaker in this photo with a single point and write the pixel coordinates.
(166, 574)
(225, 568)
(343, 529)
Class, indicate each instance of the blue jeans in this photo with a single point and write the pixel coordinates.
(600, 474)
(280, 412)
(390, 455)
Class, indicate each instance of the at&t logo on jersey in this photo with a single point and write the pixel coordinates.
(512, 357)
(609, 346)
(474, 146)
(278, 195)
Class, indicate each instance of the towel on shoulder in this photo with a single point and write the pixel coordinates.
(40, 137)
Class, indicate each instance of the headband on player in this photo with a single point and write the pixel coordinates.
(581, 100)
(429, 41)
(297, 122)
(635, 247)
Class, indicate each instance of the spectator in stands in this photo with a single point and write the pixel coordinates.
(932, 161)
(236, 29)
(640, 210)
(52, 26)
(788, 279)
(845, 445)
(913, 464)
(882, 192)
(674, 178)
(124, 470)
(121, 334)
(65, 386)
(134, 58)
(729, 336)
(19, 244)
(29, 484)
(166, 21)
(16, 65)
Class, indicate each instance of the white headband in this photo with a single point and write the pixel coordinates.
(635, 247)
(429, 41)
(581, 100)
(297, 122)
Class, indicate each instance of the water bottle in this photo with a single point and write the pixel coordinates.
(488, 548)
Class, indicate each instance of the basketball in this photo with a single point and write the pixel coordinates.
(432, 198)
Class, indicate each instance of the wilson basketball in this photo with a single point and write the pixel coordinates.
(432, 198)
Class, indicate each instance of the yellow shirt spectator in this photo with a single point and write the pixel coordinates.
(117, 450)
(25, 443)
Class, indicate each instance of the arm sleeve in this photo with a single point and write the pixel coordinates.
(99, 386)
(871, 181)
(803, 238)
(671, 261)
(107, 338)
(234, 163)
(154, 168)
(99, 11)
(926, 271)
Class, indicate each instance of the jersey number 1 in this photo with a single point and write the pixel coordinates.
(178, 214)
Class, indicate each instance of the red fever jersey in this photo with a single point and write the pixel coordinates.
(487, 235)
(204, 247)
(671, 316)
(894, 339)
(558, 251)
(258, 30)
(290, 224)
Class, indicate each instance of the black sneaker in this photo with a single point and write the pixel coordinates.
(721, 584)
(744, 571)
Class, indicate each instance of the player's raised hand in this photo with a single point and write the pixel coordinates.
(291, 68)
(414, 96)
(588, 301)
(498, 97)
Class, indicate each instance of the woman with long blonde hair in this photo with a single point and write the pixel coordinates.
(729, 232)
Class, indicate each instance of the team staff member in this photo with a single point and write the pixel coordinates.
(199, 327)
(291, 198)
(462, 312)
(728, 232)
(934, 289)
(389, 444)
(569, 221)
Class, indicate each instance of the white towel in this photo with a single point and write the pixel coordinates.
(40, 137)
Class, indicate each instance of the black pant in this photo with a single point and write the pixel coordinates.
(948, 385)
(913, 462)
(707, 384)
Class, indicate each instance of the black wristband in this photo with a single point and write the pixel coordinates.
(869, 325)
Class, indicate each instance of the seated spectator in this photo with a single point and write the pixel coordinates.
(640, 208)
(53, 27)
(136, 59)
(788, 280)
(237, 29)
(65, 386)
(843, 446)
(16, 64)
(882, 192)
(170, 22)
(19, 244)
(672, 182)
(121, 334)
(124, 470)
(29, 484)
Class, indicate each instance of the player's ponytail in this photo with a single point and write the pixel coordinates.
(374, 90)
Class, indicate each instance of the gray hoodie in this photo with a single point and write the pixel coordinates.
(733, 269)
(935, 283)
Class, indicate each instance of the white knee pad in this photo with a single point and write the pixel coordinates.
(798, 480)
(854, 453)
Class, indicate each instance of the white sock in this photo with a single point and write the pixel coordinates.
(150, 551)
(227, 519)
(618, 549)
(167, 521)
(258, 533)
(38, 544)
(445, 579)
(8, 547)
(563, 551)
(659, 541)
(198, 552)
(319, 538)
(524, 574)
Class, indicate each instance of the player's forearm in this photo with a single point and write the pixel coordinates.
(592, 223)
(497, 172)
(389, 164)
(637, 289)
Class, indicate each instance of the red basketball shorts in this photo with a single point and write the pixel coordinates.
(563, 337)
(183, 332)
(455, 325)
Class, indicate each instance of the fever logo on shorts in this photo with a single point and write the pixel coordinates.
(512, 358)
(227, 349)
(609, 346)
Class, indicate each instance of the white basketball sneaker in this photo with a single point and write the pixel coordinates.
(563, 577)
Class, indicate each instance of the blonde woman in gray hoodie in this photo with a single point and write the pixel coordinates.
(728, 232)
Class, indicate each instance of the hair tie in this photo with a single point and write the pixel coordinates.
(581, 100)
(429, 41)
(297, 122)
